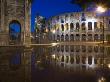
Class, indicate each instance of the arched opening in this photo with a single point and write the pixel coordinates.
(15, 31)
(83, 37)
(67, 59)
(58, 37)
(62, 59)
(72, 48)
(90, 37)
(89, 25)
(58, 48)
(77, 48)
(67, 48)
(71, 59)
(96, 49)
(77, 37)
(66, 26)
(90, 60)
(96, 37)
(66, 37)
(62, 27)
(77, 59)
(62, 37)
(77, 26)
(90, 49)
(84, 59)
(83, 48)
(62, 48)
(83, 25)
(71, 37)
(71, 27)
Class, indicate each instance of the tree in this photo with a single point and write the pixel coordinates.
(85, 3)
(30, 1)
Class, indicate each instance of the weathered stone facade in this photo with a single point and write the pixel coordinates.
(15, 11)
(79, 26)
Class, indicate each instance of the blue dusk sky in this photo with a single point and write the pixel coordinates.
(48, 8)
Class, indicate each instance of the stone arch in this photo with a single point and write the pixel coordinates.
(15, 31)
(95, 37)
(72, 37)
(83, 26)
(62, 27)
(62, 37)
(66, 37)
(71, 27)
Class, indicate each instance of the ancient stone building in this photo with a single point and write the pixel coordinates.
(15, 12)
(79, 26)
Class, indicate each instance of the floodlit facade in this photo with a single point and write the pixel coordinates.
(71, 30)
(79, 26)
(15, 14)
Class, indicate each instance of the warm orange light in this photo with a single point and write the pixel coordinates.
(53, 31)
(101, 9)
(53, 56)
(46, 30)
(108, 65)
(102, 79)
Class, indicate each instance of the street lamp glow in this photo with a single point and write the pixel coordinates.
(46, 30)
(53, 56)
(53, 31)
(102, 79)
(108, 65)
(100, 9)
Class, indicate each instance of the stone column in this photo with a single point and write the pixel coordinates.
(27, 32)
(4, 33)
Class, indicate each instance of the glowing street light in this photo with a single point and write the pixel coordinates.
(53, 31)
(53, 56)
(101, 9)
(108, 65)
(102, 79)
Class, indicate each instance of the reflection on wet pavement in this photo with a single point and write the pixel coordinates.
(62, 63)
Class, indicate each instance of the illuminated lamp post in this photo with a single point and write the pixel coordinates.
(101, 9)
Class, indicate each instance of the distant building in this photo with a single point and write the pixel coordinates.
(79, 26)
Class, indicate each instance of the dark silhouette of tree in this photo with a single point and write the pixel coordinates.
(31, 1)
(85, 3)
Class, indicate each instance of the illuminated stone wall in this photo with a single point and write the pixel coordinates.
(79, 26)
(15, 10)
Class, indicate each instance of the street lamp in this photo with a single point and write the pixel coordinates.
(101, 10)
(102, 79)
(53, 31)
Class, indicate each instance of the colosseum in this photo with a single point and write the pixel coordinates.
(79, 26)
